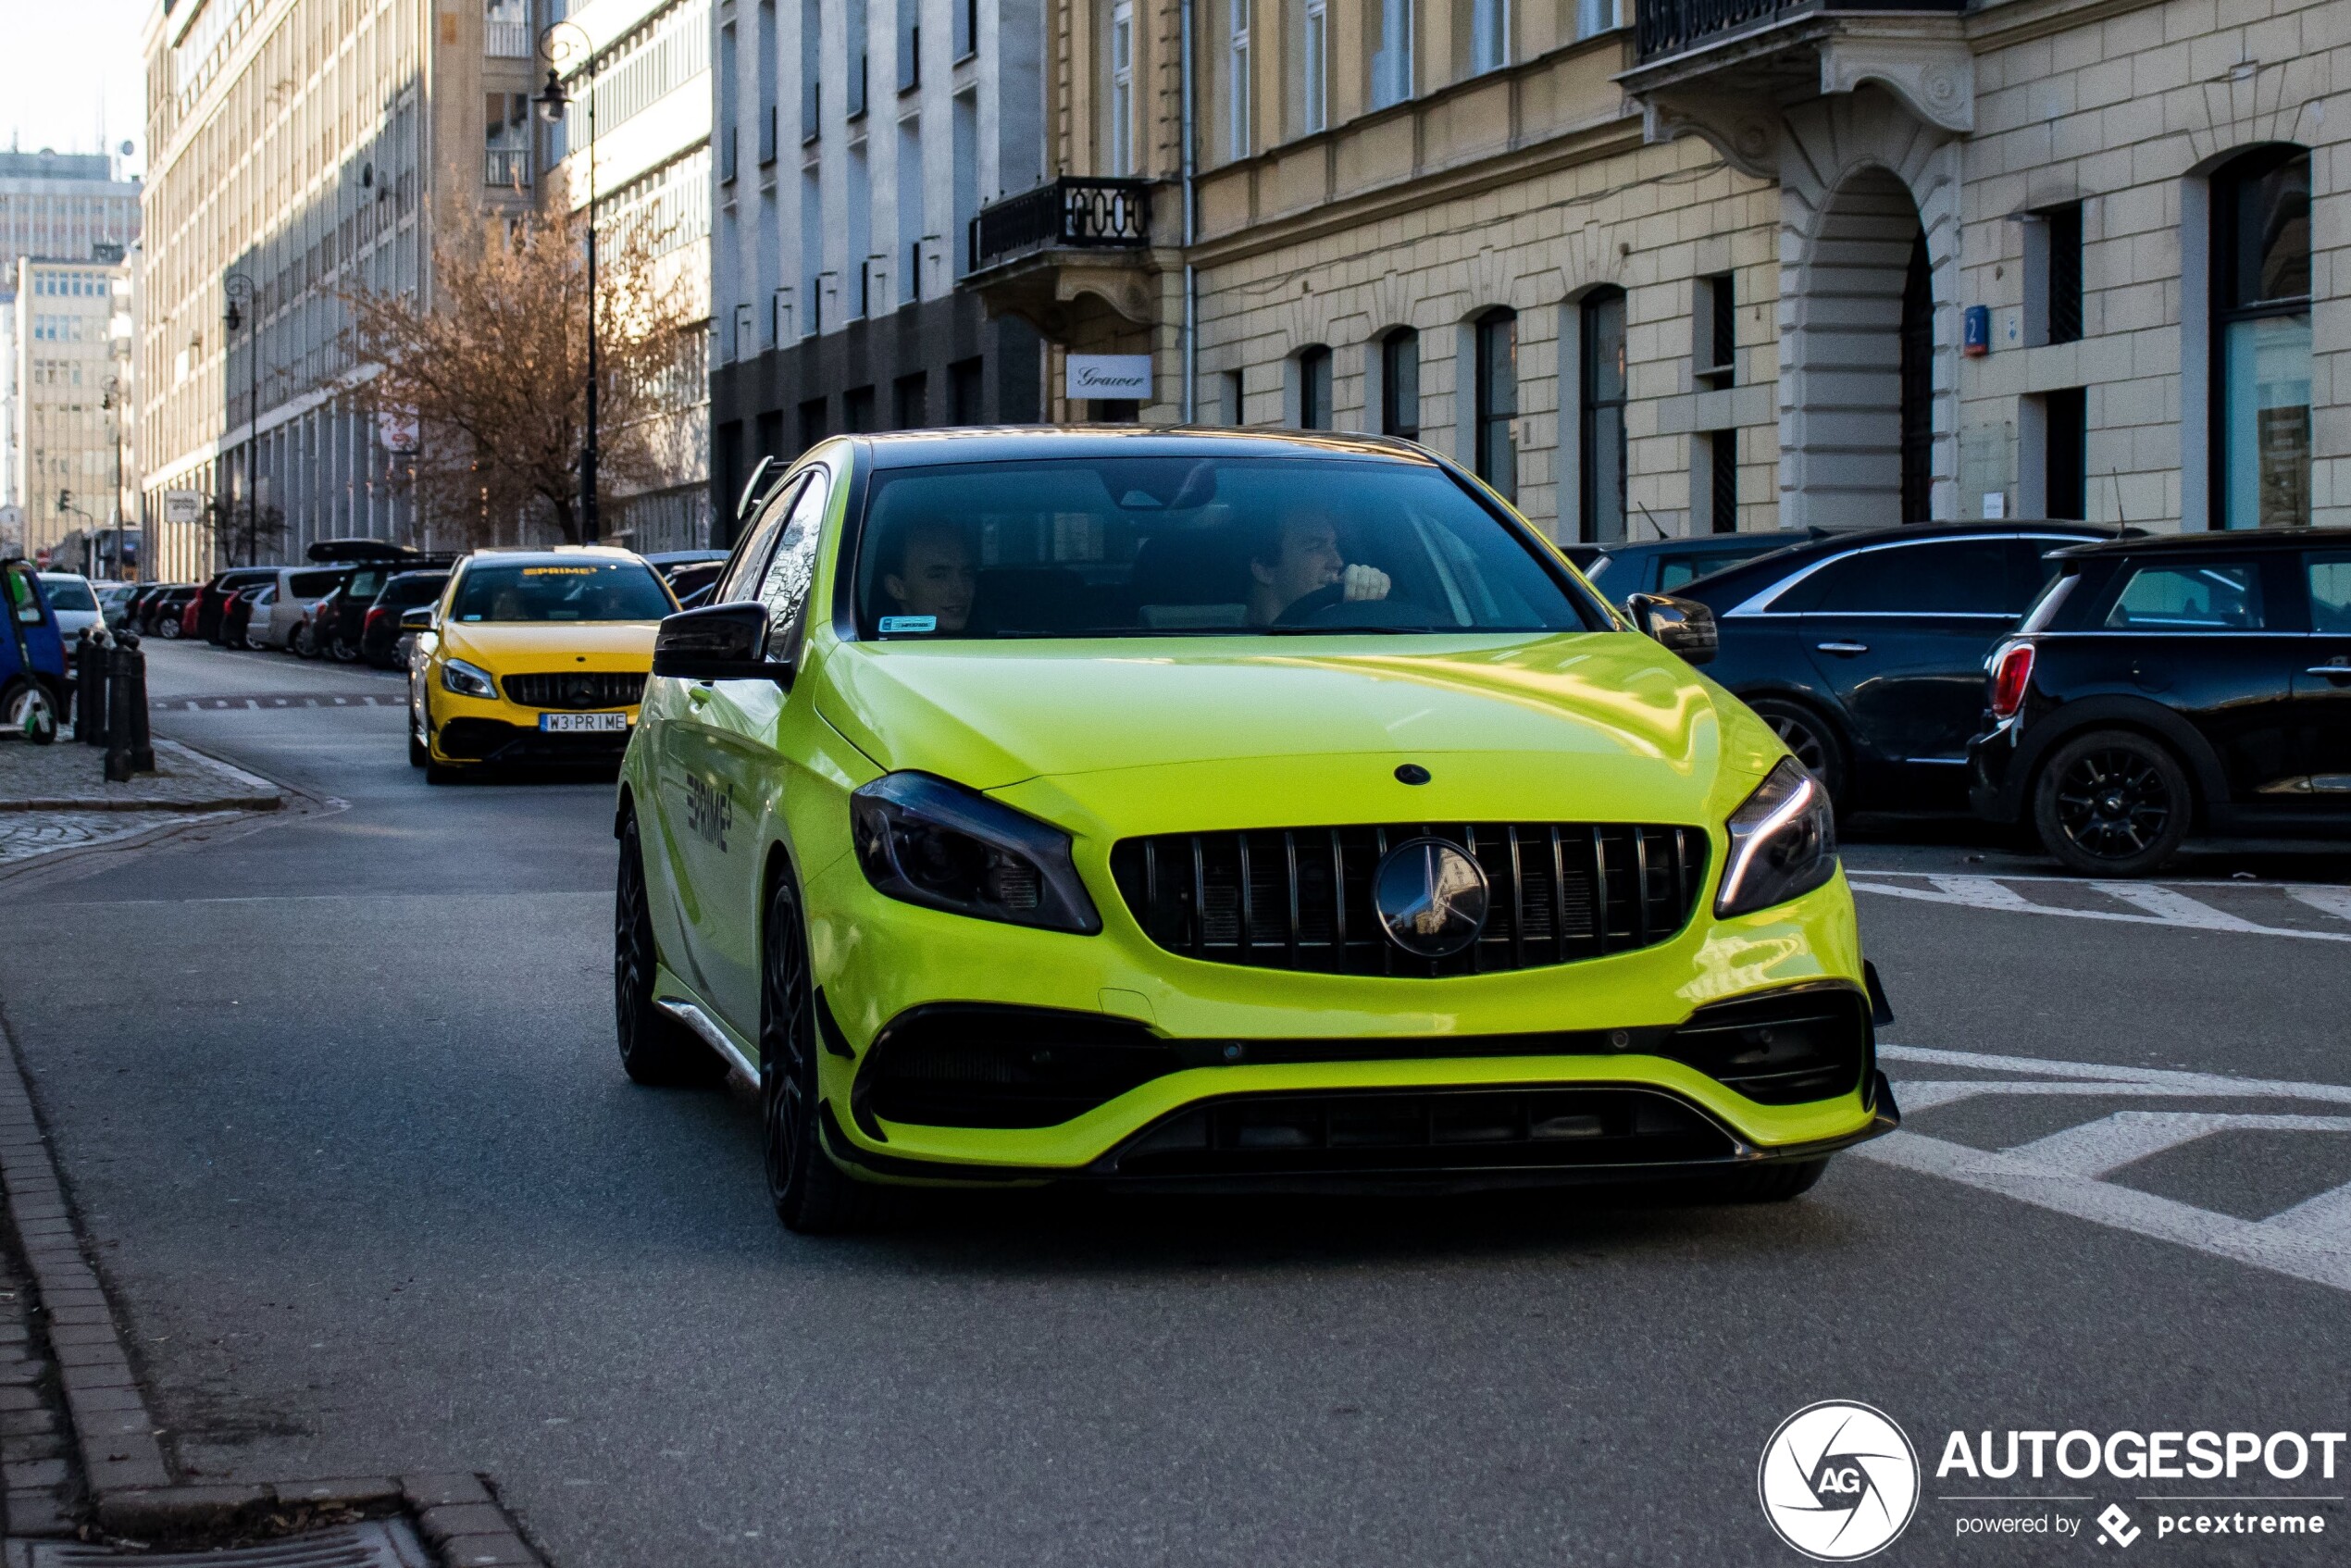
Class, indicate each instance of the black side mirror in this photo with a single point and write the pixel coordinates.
(1682, 626)
(718, 642)
(418, 619)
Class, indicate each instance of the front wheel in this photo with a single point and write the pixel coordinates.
(342, 652)
(812, 1195)
(25, 710)
(168, 629)
(655, 1047)
(2113, 804)
(1813, 740)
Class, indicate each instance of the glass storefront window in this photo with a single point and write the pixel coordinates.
(2261, 405)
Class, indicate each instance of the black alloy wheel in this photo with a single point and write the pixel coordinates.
(655, 1047)
(1812, 739)
(341, 650)
(2113, 804)
(812, 1195)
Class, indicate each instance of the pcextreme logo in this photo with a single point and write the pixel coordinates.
(1839, 1481)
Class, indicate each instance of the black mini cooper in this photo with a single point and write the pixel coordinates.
(2164, 685)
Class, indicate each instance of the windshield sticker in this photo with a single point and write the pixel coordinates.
(559, 571)
(892, 623)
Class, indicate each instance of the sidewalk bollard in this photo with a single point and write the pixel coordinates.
(143, 745)
(89, 689)
(118, 714)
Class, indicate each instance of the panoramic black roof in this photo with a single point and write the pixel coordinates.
(906, 449)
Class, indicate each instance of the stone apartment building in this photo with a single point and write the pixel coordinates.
(1674, 265)
(66, 374)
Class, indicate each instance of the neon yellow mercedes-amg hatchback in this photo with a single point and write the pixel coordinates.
(1216, 810)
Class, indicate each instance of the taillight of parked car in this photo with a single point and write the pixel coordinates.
(375, 614)
(2011, 672)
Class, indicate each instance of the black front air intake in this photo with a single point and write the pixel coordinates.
(1784, 1048)
(1300, 898)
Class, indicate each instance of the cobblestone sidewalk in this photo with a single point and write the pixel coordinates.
(70, 777)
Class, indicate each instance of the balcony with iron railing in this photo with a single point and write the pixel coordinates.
(1074, 212)
(1665, 28)
(507, 168)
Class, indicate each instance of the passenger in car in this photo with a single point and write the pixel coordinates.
(1299, 556)
(926, 569)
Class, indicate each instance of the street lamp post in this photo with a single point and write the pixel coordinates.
(558, 43)
(112, 403)
(238, 288)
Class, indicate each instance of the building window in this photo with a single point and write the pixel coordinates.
(909, 48)
(506, 154)
(812, 81)
(1481, 36)
(963, 387)
(966, 29)
(2064, 322)
(1496, 432)
(1315, 389)
(1229, 397)
(1122, 88)
(812, 423)
(910, 402)
(1596, 16)
(1387, 28)
(1916, 338)
(1722, 481)
(1236, 71)
(860, 31)
(2065, 467)
(2261, 360)
(1314, 61)
(506, 29)
(857, 410)
(1399, 384)
(1601, 436)
(1714, 334)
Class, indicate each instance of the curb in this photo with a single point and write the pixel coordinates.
(264, 795)
(123, 1467)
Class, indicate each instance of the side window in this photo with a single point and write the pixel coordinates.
(2189, 596)
(2331, 593)
(1961, 577)
(783, 587)
(750, 559)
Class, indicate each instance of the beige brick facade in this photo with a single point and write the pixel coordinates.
(1578, 165)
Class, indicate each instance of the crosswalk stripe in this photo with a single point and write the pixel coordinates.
(2327, 1214)
(2093, 1149)
(2326, 901)
(1981, 892)
(2167, 1077)
(2174, 906)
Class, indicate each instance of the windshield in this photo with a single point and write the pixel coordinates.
(68, 593)
(582, 590)
(1194, 545)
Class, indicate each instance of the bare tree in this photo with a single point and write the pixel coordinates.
(494, 367)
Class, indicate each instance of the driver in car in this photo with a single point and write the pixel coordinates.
(1299, 556)
(929, 571)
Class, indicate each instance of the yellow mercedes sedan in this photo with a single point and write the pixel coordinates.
(531, 657)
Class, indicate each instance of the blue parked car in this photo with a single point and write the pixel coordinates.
(32, 656)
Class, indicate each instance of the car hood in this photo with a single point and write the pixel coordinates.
(514, 645)
(1607, 725)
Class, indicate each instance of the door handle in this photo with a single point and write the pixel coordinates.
(1843, 647)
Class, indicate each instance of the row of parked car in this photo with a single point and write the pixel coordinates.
(2112, 690)
(344, 604)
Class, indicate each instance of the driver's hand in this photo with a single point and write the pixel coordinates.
(1364, 582)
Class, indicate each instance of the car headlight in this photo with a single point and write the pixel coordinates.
(467, 680)
(1783, 842)
(930, 843)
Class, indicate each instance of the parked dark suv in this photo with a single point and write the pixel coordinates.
(1865, 650)
(2169, 684)
(381, 640)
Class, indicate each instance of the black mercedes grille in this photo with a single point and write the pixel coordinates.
(1300, 898)
(579, 689)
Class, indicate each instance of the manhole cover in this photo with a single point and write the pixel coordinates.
(378, 1543)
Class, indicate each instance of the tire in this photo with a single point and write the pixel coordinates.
(305, 641)
(26, 699)
(342, 652)
(168, 629)
(417, 755)
(812, 1195)
(1813, 738)
(655, 1049)
(2112, 802)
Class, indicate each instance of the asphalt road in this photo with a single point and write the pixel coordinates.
(338, 1102)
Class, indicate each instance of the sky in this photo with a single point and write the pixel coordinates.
(70, 68)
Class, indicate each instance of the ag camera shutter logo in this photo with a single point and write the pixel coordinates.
(1839, 1481)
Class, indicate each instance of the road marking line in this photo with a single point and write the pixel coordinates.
(2327, 1214)
(2317, 1258)
(2020, 907)
(2326, 901)
(2175, 906)
(1981, 892)
(2095, 1149)
(2104, 1073)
